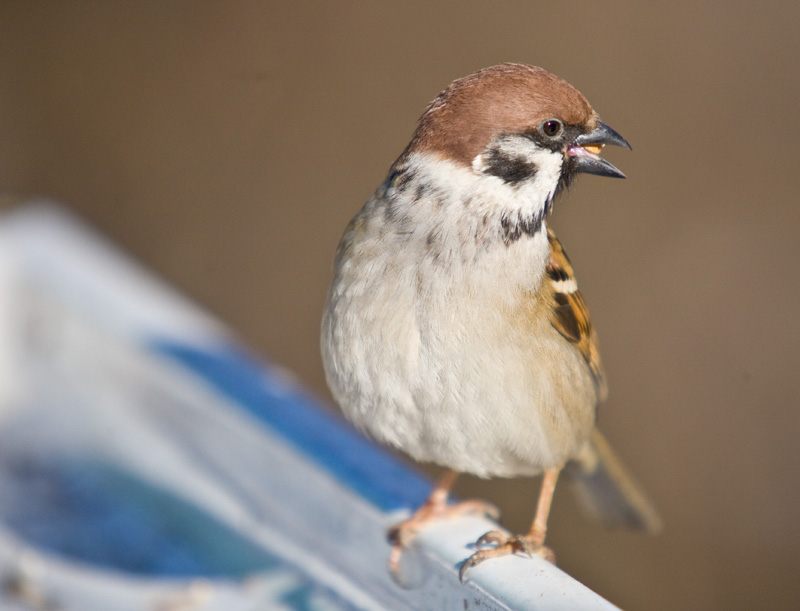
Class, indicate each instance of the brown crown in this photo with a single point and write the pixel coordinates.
(508, 98)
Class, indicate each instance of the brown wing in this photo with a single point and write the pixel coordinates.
(570, 314)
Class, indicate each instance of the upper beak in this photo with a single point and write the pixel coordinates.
(587, 147)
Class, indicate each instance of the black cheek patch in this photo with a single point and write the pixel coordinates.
(511, 169)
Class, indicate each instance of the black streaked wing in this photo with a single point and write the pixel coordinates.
(570, 314)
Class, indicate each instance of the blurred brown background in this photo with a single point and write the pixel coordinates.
(227, 145)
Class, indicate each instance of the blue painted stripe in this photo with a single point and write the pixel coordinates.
(354, 460)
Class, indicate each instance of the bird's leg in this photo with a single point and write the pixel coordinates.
(435, 508)
(532, 543)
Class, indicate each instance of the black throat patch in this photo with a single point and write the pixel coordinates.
(515, 226)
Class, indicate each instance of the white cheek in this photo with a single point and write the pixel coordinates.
(479, 165)
(490, 197)
(549, 166)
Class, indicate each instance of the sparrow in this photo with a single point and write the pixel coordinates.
(454, 329)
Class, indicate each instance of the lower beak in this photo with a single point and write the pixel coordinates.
(587, 147)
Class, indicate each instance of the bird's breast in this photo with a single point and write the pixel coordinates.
(448, 356)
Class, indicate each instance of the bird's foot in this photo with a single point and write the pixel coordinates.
(401, 534)
(504, 545)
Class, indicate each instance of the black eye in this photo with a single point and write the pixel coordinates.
(551, 128)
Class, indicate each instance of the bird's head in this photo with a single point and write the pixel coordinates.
(519, 124)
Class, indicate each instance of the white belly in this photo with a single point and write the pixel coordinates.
(430, 362)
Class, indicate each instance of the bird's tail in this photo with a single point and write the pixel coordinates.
(607, 492)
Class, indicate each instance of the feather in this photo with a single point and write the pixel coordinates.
(570, 316)
(606, 490)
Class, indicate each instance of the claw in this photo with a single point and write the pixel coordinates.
(400, 535)
(530, 544)
(467, 564)
(505, 546)
(394, 562)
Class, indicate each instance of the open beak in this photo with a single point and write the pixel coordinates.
(587, 148)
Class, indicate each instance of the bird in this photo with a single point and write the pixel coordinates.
(454, 329)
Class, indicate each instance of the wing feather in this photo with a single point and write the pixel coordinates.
(570, 315)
